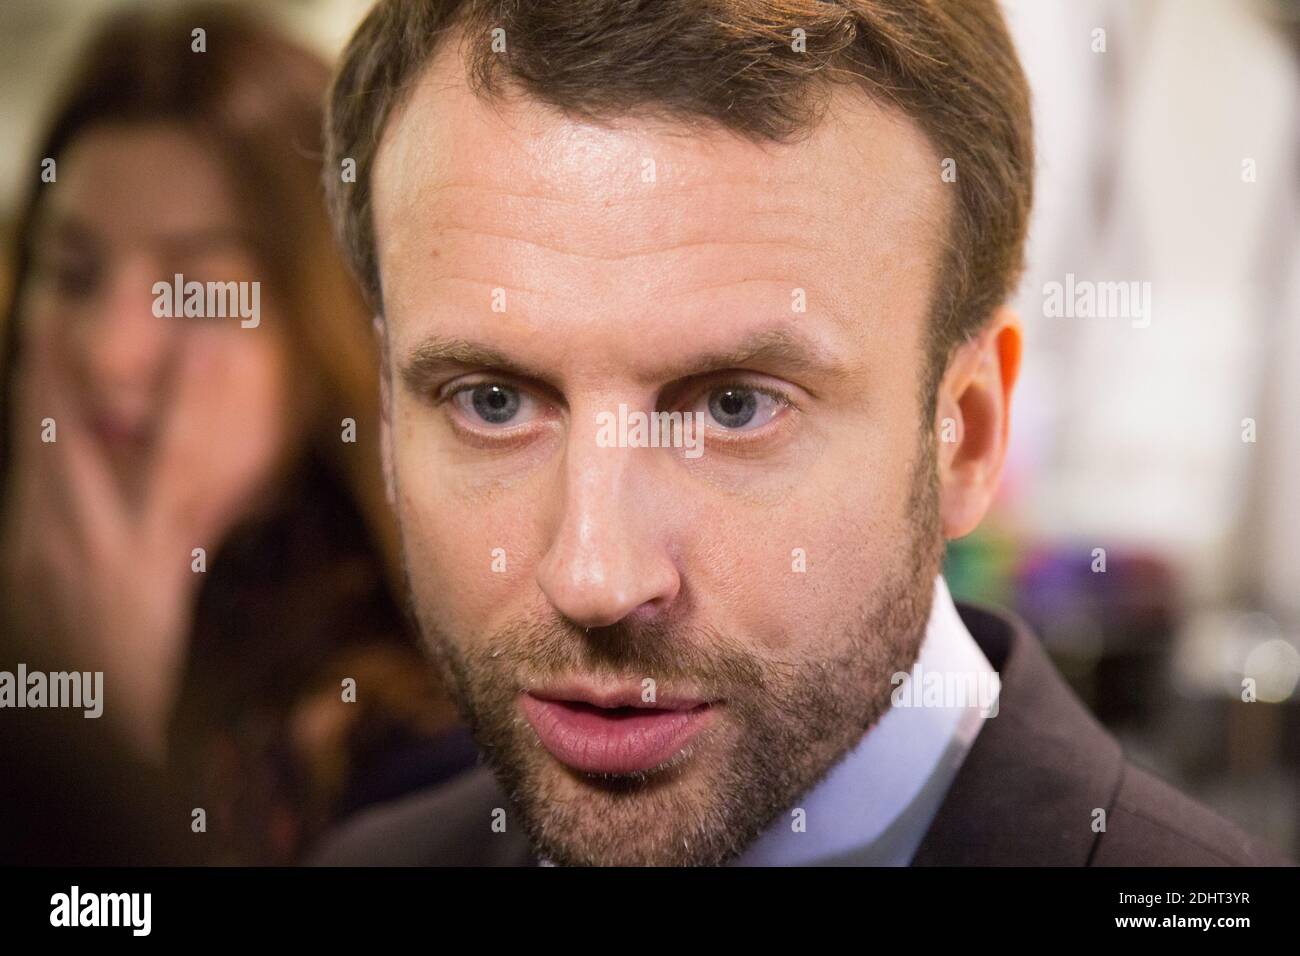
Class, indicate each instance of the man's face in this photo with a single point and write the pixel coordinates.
(659, 650)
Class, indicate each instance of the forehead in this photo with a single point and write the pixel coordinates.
(127, 181)
(471, 194)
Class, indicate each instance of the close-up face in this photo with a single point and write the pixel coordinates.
(133, 206)
(660, 648)
(617, 464)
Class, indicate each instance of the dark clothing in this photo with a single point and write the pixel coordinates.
(1027, 794)
(294, 602)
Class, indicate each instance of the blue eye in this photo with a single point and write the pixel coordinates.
(742, 408)
(733, 407)
(495, 404)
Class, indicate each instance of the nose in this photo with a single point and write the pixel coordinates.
(122, 346)
(609, 556)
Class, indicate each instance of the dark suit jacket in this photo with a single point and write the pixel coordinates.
(1026, 794)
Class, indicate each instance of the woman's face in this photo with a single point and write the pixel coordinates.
(134, 206)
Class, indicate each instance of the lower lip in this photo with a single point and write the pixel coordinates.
(627, 740)
(117, 435)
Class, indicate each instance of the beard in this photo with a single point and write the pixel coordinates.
(786, 722)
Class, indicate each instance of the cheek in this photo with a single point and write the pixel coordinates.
(39, 312)
(254, 378)
(264, 371)
(57, 332)
(262, 367)
(469, 551)
(792, 579)
(80, 338)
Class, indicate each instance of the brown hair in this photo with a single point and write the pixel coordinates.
(254, 99)
(948, 64)
(314, 575)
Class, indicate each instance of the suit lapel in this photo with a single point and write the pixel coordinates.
(1029, 788)
(1026, 793)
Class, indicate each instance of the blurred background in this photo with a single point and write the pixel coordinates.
(1149, 523)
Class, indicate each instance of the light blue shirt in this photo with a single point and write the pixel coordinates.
(874, 807)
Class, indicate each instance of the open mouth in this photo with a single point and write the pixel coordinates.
(120, 435)
(622, 737)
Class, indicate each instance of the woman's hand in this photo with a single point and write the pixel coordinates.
(105, 580)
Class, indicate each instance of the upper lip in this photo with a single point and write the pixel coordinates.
(622, 695)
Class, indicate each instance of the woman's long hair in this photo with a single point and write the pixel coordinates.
(255, 98)
(314, 574)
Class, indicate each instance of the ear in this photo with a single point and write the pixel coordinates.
(385, 417)
(973, 421)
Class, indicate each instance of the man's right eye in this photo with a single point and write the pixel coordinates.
(493, 403)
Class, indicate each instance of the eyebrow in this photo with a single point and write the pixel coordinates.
(199, 241)
(68, 228)
(779, 349)
(434, 355)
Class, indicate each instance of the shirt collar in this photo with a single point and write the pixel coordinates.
(874, 806)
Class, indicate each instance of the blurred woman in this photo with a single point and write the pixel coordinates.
(193, 504)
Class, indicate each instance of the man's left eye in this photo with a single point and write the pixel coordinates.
(741, 407)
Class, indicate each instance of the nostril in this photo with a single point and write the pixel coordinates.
(648, 611)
